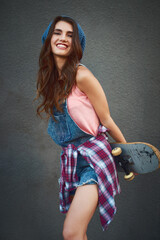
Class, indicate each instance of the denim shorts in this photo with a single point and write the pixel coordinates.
(86, 174)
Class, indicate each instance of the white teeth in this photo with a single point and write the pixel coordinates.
(61, 45)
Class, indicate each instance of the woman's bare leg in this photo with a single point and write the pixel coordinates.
(80, 212)
(85, 237)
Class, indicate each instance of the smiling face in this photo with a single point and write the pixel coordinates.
(61, 40)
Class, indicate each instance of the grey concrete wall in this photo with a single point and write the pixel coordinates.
(123, 46)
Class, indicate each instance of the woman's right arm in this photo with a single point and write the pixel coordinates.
(88, 84)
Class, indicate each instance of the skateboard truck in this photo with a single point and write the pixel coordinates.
(124, 163)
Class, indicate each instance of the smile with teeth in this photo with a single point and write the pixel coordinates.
(61, 46)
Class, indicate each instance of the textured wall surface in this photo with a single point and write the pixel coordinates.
(123, 46)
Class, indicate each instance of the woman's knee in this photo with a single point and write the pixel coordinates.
(71, 231)
(68, 234)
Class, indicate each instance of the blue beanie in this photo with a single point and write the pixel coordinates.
(82, 37)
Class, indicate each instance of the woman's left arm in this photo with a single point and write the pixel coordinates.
(88, 84)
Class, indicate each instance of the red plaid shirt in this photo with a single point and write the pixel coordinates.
(97, 152)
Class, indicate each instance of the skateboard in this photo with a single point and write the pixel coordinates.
(135, 158)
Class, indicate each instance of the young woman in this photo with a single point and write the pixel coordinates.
(79, 119)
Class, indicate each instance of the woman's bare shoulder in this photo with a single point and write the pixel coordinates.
(83, 74)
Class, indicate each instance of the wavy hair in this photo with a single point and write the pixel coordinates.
(52, 88)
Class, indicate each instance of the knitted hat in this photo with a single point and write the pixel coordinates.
(82, 37)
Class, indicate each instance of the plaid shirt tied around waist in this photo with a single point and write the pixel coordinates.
(97, 152)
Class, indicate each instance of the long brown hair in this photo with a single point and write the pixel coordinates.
(53, 88)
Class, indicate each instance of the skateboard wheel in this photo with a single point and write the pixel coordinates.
(116, 151)
(129, 177)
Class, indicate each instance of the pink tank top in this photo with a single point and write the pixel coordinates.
(82, 112)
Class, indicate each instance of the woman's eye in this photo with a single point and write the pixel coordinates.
(57, 33)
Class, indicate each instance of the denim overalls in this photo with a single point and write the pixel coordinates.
(103, 172)
(66, 131)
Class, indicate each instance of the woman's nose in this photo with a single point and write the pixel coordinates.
(63, 37)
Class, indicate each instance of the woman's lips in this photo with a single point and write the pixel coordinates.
(61, 46)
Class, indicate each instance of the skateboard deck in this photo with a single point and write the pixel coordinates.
(135, 158)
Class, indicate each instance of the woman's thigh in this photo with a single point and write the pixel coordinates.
(82, 208)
